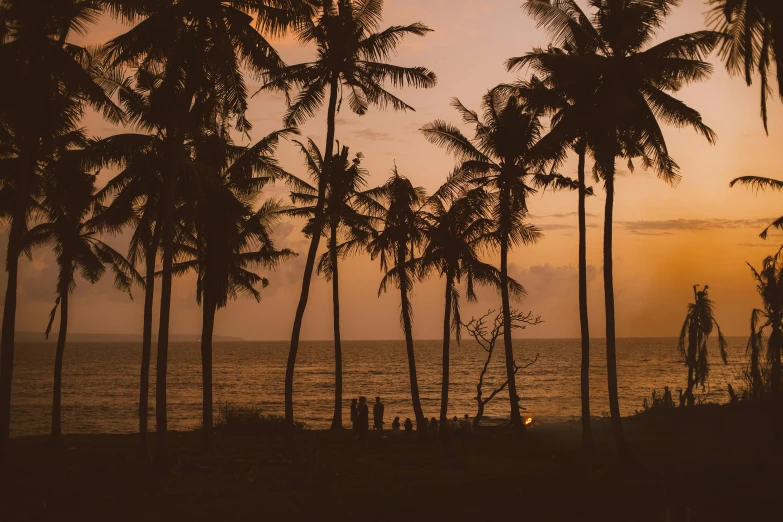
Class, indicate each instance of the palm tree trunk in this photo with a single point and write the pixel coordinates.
(690, 400)
(444, 391)
(623, 450)
(775, 340)
(337, 419)
(587, 431)
(146, 347)
(58, 368)
(516, 418)
(168, 202)
(407, 326)
(7, 344)
(311, 254)
(207, 328)
(18, 227)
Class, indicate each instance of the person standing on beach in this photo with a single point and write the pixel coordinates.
(362, 417)
(377, 415)
(353, 414)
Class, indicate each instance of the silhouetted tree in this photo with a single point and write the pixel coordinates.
(769, 283)
(66, 209)
(351, 55)
(753, 41)
(499, 158)
(692, 345)
(53, 80)
(457, 231)
(631, 107)
(396, 204)
(228, 239)
(568, 101)
(199, 49)
(487, 339)
(340, 215)
(136, 192)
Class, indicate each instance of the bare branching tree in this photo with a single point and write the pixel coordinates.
(486, 335)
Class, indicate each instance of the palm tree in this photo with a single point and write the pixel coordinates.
(340, 215)
(199, 48)
(67, 227)
(136, 192)
(501, 158)
(568, 102)
(769, 283)
(351, 55)
(634, 82)
(695, 333)
(753, 41)
(457, 232)
(396, 205)
(53, 81)
(228, 238)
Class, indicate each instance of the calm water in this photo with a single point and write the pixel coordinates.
(100, 381)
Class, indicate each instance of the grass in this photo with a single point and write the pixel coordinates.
(711, 462)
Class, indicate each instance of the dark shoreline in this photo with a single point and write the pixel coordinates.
(714, 462)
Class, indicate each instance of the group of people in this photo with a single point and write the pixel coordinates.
(360, 415)
(360, 421)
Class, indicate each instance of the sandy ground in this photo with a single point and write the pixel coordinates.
(712, 463)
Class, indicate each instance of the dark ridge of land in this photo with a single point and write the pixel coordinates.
(38, 337)
(709, 463)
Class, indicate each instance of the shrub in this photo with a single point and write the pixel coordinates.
(250, 420)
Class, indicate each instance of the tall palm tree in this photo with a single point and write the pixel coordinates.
(501, 158)
(66, 208)
(568, 102)
(396, 204)
(340, 216)
(199, 48)
(753, 41)
(353, 56)
(53, 81)
(457, 231)
(692, 345)
(228, 239)
(634, 85)
(769, 283)
(136, 195)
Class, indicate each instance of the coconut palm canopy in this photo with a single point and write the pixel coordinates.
(448, 53)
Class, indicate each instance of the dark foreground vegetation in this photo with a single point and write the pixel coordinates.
(704, 463)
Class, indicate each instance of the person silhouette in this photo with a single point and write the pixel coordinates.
(467, 426)
(377, 415)
(433, 428)
(408, 427)
(396, 427)
(362, 417)
(354, 406)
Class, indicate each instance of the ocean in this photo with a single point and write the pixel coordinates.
(101, 380)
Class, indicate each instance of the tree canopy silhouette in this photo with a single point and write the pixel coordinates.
(351, 55)
(694, 335)
(457, 231)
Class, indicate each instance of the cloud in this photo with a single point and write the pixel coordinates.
(662, 227)
(373, 135)
(561, 216)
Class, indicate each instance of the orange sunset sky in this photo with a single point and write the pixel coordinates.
(666, 239)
